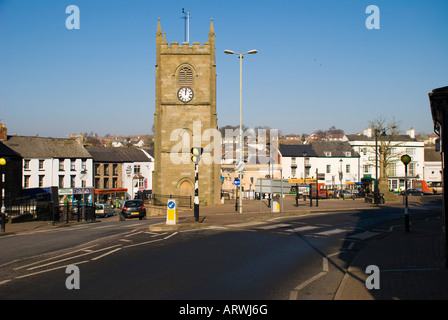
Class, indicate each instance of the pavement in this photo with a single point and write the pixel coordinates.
(412, 266)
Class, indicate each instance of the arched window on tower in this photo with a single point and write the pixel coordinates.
(185, 76)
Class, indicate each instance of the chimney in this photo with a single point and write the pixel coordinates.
(3, 132)
(368, 132)
(411, 133)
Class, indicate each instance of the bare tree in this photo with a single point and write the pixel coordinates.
(388, 138)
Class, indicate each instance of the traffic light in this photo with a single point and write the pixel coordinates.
(196, 154)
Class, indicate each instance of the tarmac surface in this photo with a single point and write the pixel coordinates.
(412, 266)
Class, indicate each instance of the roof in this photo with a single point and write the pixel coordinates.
(111, 154)
(318, 149)
(5, 151)
(432, 155)
(362, 137)
(297, 150)
(37, 147)
(337, 148)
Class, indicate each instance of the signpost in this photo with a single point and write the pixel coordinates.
(172, 215)
(236, 182)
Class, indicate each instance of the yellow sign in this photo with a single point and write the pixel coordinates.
(302, 180)
(172, 213)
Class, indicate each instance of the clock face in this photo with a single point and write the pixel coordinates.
(185, 94)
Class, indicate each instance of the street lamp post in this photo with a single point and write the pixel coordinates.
(240, 56)
(2, 194)
(406, 160)
(341, 176)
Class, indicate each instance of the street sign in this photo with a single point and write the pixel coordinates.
(240, 166)
(172, 215)
(236, 182)
(266, 185)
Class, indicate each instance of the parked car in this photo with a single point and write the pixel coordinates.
(412, 192)
(347, 194)
(133, 209)
(103, 210)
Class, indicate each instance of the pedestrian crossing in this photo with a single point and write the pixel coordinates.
(313, 230)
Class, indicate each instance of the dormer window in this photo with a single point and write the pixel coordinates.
(327, 153)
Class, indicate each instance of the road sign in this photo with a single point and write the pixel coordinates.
(266, 185)
(240, 166)
(172, 212)
(236, 182)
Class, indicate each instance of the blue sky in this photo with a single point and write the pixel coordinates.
(317, 64)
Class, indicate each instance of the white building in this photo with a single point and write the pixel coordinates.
(336, 160)
(53, 162)
(432, 171)
(138, 165)
(365, 145)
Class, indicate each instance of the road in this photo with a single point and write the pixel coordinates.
(288, 258)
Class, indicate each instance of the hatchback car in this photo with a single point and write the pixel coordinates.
(103, 210)
(412, 192)
(133, 209)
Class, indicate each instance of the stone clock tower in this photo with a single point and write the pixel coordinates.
(185, 109)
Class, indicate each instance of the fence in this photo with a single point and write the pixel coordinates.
(162, 200)
(20, 206)
(77, 212)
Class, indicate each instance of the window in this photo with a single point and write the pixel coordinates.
(328, 168)
(61, 181)
(84, 164)
(106, 183)
(136, 168)
(347, 168)
(26, 181)
(41, 181)
(410, 151)
(26, 165)
(185, 76)
(392, 170)
(114, 183)
(97, 169)
(348, 153)
(293, 160)
(97, 183)
(366, 168)
(293, 172)
(327, 153)
(412, 169)
(72, 181)
(61, 164)
(115, 170)
(106, 169)
(41, 164)
(72, 165)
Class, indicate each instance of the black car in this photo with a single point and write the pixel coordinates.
(133, 209)
(412, 192)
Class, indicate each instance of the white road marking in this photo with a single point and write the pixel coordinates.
(106, 254)
(273, 226)
(305, 228)
(331, 232)
(246, 224)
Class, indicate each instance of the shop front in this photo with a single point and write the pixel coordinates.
(111, 196)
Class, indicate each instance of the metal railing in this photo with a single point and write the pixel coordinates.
(162, 200)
